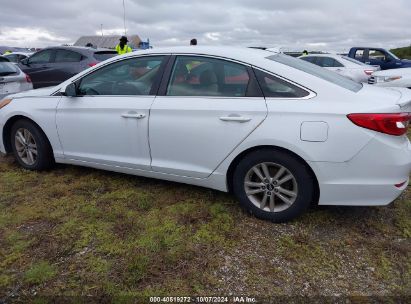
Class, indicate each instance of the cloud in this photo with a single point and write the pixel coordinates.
(298, 24)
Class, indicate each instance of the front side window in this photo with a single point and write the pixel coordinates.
(275, 87)
(41, 57)
(202, 76)
(67, 56)
(134, 76)
(359, 54)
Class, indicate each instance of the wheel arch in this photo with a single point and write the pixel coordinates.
(7, 131)
(239, 157)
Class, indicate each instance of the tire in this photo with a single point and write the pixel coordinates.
(287, 193)
(34, 143)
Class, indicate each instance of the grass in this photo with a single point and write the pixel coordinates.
(82, 232)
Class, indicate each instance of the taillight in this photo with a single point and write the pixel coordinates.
(390, 123)
(28, 79)
(368, 72)
(91, 64)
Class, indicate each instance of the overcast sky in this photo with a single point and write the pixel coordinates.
(292, 24)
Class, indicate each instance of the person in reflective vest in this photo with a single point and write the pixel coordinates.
(122, 47)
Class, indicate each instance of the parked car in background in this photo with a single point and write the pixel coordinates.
(12, 79)
(16, 57)
(378, 56)
(51, 66)
(342, 65)
(392, 78)
(270, 128)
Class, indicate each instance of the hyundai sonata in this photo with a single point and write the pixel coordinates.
(277, 132)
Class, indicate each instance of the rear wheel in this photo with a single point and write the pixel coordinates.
(30, 146)
(273, 185)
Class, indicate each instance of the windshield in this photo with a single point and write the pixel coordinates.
(392, 55)
(317, 71)
(7, 68)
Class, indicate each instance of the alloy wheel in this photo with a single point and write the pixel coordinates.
(26, 146)
(271, 187)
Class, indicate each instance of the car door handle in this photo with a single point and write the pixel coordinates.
(235, 118)
(133, 115)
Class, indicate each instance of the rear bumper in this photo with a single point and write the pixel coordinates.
(369, 178)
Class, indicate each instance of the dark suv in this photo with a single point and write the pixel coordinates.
(51, 66)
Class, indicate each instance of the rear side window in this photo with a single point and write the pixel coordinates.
(275, 87)
(328, 62)
(7, 68)
(317, 71)
(41, 57)
(103, 55)
(202, 76)
(309, 59)
(67, 56)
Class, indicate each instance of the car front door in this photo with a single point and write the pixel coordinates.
(107, 123)
(38, 68)
(208, 107)
(65, 65)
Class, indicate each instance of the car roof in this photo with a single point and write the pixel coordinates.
(77, 48)
(243, 54)
(19, 53)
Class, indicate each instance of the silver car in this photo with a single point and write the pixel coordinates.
(12, 79)
(343, 65)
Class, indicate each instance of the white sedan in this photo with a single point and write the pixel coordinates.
(343, 65)
(278, 132)
(392, 78)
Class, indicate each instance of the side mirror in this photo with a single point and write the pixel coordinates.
(25, 61)
(70, 90)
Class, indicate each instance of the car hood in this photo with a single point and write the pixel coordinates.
(35, 93)
(393, 72)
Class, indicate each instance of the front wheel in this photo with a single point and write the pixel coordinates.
(273, 185)
(30, 146)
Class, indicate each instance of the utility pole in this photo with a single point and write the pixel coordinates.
(124, 18)
(102, 30)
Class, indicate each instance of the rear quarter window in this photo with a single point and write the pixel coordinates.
(7, 68)
(273, 86)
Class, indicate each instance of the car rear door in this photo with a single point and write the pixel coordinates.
(107, 123)
(38, 68)
(205, 108)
